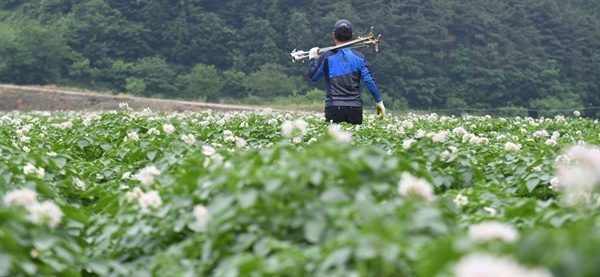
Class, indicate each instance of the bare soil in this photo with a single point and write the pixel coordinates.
(51, 98)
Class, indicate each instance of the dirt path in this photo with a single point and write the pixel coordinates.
(28, 98)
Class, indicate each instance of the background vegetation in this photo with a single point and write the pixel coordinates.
(438, 54)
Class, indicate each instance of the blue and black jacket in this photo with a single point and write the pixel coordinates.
(343, 69)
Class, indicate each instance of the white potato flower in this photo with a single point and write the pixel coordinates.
(146, 175)
(540, 134)
(439, 137)
(492, 230)
(80, 184)
(46, 213)
(509, 146)
(208, 150)
(576, 113)
(460, 201)
(189, 139)
(66, 125)
(131, 196)
(578, 170)
(490, 210)
(287, 128)
(302, 126)
(420, 133)
(201, 214)
(20, 197)
(30, 169)
(551, 142)
(240, 142)
(229, 139)
(149, 200)
(411, 186)
(126, 175)
(168, 128)
(338, 134)
(133, 136)
(407, 124)
(460, 131)
(407, 143)
(153, 131)
(487, 265)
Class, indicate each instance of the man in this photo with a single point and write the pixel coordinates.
(343, 69)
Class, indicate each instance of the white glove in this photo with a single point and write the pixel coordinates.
(380, 109)
(313, 53)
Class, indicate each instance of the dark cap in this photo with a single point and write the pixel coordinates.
(342, 26)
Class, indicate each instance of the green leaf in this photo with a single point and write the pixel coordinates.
(98, 267)
(106, 146)
(334, 195)
(44, 242)
(247, 198)
(151, 155)
(60, 161)
(74, 214)
(6, 264)
(313, 230)
(339, 257)
(82, 143)
(261, 247)
(27, 266)
(532, 183)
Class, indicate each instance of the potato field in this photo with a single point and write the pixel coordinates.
(266, 193)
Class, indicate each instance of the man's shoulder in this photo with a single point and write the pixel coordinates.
(358, 53)
(328, 53)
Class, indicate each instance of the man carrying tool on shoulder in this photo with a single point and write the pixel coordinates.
(343, 69)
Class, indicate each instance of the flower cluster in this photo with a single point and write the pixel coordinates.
(20, 197)
(46, 212)
(202, 216)
(189, 139)
(228, 136)
(168, 128)
(149, 200)
(411, 186)
(212, 156)
(146, 175)
(493, 230)
(460, 201)
(509, 146)
(578, 172)
(487, 265)
(80, 184)
(298, 128)
(30, 169)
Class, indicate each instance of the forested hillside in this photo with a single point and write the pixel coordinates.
(438, 54)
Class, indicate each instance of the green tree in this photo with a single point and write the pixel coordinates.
(135, 85)
(157, 74)
(269, 82)
(31, 53)
(233, 84)
(204, 81)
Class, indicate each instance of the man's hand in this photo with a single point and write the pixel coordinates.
(380, 109)
(313, 53)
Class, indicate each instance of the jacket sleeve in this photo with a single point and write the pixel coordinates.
(315, 69)
(370, 82)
